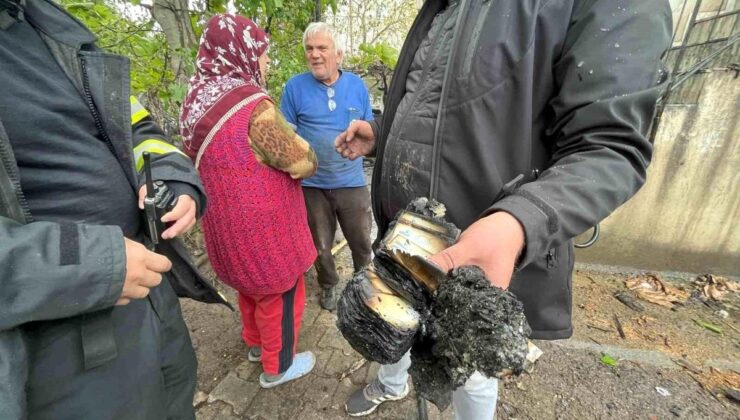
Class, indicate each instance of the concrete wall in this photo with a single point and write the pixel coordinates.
(687, 216)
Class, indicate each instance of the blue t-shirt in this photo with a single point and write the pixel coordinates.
(305, 104)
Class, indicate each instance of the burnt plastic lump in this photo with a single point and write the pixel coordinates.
(473, 326)
(454, 323)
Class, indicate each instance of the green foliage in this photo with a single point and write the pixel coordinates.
(136, 36)
(298, 11)
(217, 6)
(609, 361)
(711, 327)
(285, 22)
(379, 53)
(287, 62)
(375, 65)
(137, 40)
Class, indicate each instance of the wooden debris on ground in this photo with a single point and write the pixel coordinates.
(597, 327)
(629, 301)
(338, 247)
(620, 330)
(719, 382)
(354, 368)
(688, 366)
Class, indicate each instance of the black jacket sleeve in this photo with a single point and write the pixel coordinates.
(610, 76)
(375, 125)
(169, 163)
(52, 271)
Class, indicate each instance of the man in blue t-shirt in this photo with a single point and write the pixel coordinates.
(321, 104)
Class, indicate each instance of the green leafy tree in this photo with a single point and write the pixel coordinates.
(285, 22)
(373, 21)
(160, 37)
(375, 64)
(374, 31)
(134, 38)
(138, 37)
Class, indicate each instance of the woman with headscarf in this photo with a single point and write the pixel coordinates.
(251, 161)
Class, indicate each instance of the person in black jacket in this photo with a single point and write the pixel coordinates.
(88, 329)
(529, 120)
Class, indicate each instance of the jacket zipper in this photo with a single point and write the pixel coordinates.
(551, 258)
(15, 180)
(433, 184)
(424, 76)
(475, 37)
(375, 192)
(93, 109)
(426, 15)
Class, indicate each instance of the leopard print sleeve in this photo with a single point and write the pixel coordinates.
(275, 144)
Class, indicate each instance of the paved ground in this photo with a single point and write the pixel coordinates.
(320, 395)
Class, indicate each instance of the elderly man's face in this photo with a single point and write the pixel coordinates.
(322, 58)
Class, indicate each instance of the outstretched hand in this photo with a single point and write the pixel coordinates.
(358, 140)
(493, 243)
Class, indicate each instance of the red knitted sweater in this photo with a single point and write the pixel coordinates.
(256, 230)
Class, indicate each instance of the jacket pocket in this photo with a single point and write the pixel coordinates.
(546, 294)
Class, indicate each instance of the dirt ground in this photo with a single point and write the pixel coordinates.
(672, 331)
(568, 382)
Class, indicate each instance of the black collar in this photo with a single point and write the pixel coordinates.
(49, 18)
(11, 11)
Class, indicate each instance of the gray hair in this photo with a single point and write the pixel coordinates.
(315, 28)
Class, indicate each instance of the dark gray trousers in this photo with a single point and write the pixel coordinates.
(153, 376)
(349, 206)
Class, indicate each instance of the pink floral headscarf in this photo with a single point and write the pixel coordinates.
(227, 73)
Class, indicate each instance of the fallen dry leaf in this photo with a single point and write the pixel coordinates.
(652, 288)
(715, 287)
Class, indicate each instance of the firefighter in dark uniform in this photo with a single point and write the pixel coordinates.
(90, 323)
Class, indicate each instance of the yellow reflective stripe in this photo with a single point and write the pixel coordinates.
(138, 112)
(155, 147)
